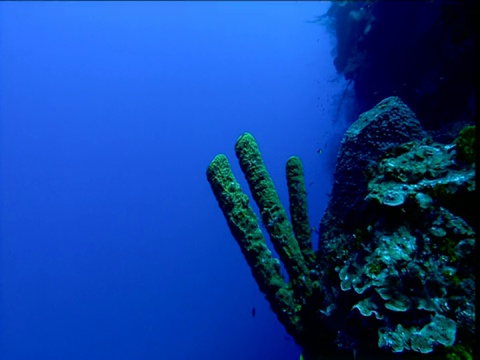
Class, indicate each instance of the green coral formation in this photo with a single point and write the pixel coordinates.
(291, 301)
(244, 226)
(459, 352)
(273, 214)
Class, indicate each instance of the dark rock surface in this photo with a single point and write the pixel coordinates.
(388, 124)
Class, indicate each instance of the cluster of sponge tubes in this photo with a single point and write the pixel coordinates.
(298, 301)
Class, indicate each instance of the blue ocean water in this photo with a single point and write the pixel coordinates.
(112, 243)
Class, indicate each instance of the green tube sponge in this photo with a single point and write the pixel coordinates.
(273, 213)
(297, 302)
(244, 227)
(299, 209)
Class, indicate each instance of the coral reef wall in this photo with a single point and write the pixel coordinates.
(394, 271)
(397, 241)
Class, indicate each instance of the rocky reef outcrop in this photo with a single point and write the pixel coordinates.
(394, 270)
(399, 233)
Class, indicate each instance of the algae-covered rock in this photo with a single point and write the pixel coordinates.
(415, 252)
(410, 249)
(389, 124)
(466, 144)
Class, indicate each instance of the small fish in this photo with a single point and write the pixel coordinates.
(320, 151)
(254, 311)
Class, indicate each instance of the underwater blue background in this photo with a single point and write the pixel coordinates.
(112, 243)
